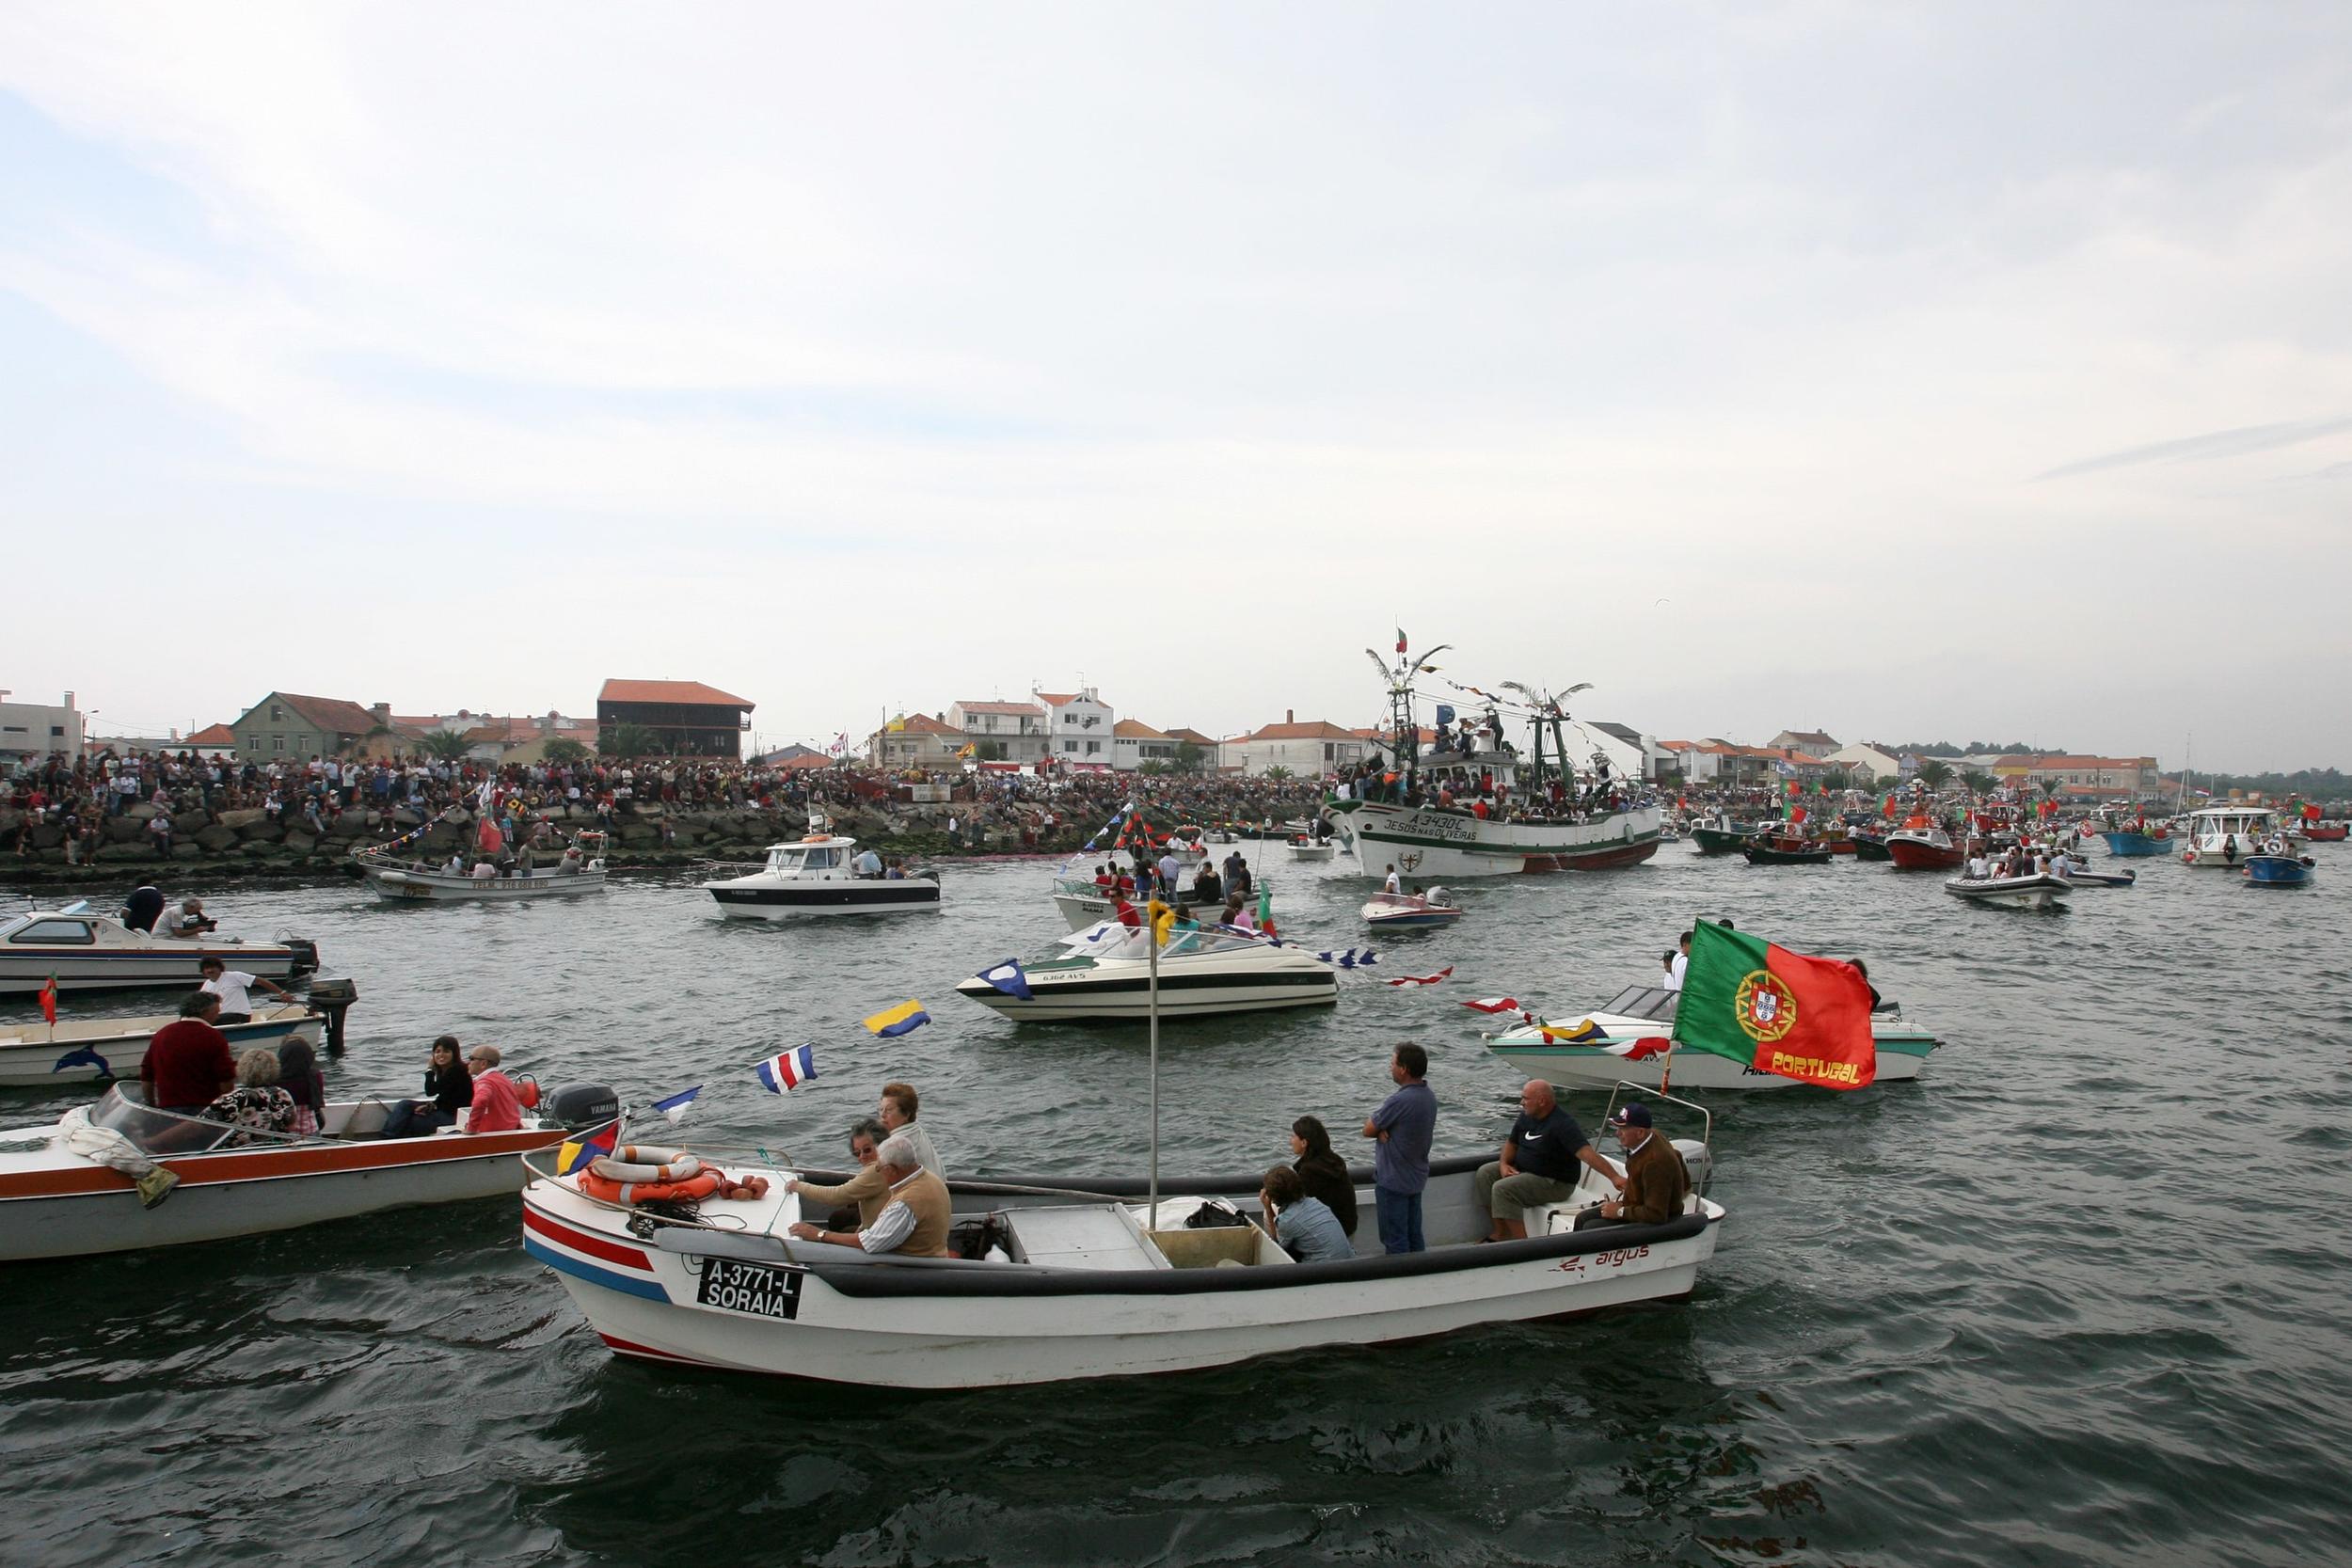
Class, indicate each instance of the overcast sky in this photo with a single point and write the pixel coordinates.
(1975, 371)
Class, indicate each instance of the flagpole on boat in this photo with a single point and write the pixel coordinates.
(1152, 947)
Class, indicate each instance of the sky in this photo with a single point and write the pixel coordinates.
(1952, 371)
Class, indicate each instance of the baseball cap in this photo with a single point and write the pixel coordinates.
(1635, 1114)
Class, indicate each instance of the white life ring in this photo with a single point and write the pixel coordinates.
(643, 1163)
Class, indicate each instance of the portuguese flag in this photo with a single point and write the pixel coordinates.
(1777, 1011)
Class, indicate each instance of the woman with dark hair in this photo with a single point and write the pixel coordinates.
(298, 1075)
(1322, 1173)
(449, 1087)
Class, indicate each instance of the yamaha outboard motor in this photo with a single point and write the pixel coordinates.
(306, 955)
(576, 1107)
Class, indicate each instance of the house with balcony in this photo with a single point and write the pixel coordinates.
(1812, 743)
(1078, 729)
(1001, 732)
(921, 740)
(687, 718)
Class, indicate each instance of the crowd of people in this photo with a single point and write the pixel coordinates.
(79, 794)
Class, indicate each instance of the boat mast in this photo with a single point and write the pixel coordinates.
(1152, 947)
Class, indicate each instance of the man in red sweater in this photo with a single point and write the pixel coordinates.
(497, 1105)
(188, 1062)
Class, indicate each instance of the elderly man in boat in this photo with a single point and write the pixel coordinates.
(1537, 1163)
(914, 1223)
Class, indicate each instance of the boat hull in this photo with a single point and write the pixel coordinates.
(1450, 845)
(80, 1211)
(2022, 893)
(1589, 1067)
(1914, 854)
(798, 901)
(137, 968)
(1126, 995)
(952, 1324)
(2277, 871)
(30, 1056)
(2133, 846)
(1760, 855)
(407, 885)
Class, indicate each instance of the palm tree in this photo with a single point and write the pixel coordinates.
(1277, 772)
(628, 740)
(446, 746)
(1934, 773)
(564, 748)
(1980, 781)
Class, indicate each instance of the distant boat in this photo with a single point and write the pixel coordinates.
(2131, 842)
(2025, 892)
(1787, 852)
(1924, 849)
(2279, 870)
(2326, 832)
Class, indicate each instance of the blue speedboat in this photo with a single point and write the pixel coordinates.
(2131, 844)
(2277, 870)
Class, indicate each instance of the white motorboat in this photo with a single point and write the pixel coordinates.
(817, 876)
(1627, 1041)
(1310, 849)
(88, 1048)
(1059, 1281)
(1428, 907)
(428, 883)
(1104, 973)
(2222, 837)
(68, 1188)
(2081, 875)
(86, 951)
(2040, 892)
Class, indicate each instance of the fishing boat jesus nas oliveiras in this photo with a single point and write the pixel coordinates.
(1468, 805)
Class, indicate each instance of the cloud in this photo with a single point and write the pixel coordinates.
(2199, 448)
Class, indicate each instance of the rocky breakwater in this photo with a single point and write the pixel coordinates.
(244, 843)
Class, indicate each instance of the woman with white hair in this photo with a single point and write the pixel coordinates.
(256, 1103)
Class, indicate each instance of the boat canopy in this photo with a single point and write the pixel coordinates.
(160, 1132)
(832, 855)
(50, 929)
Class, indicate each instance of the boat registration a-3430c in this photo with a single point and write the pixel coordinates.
(753, 1288)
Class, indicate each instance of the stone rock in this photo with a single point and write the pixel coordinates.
(217, 837)
(408, 816)
(124, 853)
(348, 826)
(48, 835)
(125, 829)
(302, 844)
(140, 809)
(9, 818)
(187, 824)
(263, 831)
(638, 832)
(243, 818)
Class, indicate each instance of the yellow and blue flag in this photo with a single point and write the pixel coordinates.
(896, 1021)
(577, 1153)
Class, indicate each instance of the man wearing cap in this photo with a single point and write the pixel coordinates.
(1539, 1162)
(1655, 1180)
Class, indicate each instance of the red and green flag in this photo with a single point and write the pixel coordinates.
(1776, 1011)
(49, 1000)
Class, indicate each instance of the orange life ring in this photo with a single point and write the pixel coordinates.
(694, 1187)
(644, 1162)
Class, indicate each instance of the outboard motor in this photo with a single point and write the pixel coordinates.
(1699, 1160)
(577, 1107)
(306, 955)
(334, 998)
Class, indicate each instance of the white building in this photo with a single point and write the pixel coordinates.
(1002, 731)
(1080, 732)
(1135, 743)
(30, 731)
(1864, 763)
(1307, 751)
(1632, 755)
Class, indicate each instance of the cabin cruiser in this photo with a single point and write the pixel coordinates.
(1627, 1042)
(1922, 848)
(86, 951)
(819, 876)
(2221, 837)
(1048, 1279)
(1103, 971)
(87, 1183)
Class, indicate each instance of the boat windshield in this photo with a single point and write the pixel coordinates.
(1109, 938)
(1645, 1002)
(784, 860)
(153, 1131)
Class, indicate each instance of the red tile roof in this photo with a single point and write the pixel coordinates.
(923, 723)
(1317, 730)
(1056, 699)
(669, 692)
(1192, 735)
(331, 714)
(1135, 729)
(213, 734)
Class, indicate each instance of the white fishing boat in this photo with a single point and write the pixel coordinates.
(392, 880)
(1310, 849)
(1409, 909)
(2222, 837)
(819, 876)
(84, 1050)
(1626, 1041)
(70, 1188)
(2040, 892)
(1051, 1280)
(1104, 973)
(86, 951)
(1412, 827)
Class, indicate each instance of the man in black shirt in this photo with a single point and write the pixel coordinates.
(1538, 1164)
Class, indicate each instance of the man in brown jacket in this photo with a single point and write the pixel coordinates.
(914, 1222)
(1655, 1180)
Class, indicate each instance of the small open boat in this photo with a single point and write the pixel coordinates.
(2083, 876)
(2131, 843)
(1428, 907)
(2279, 870)
(1785, 851)
(65, 1193)
(2025, 892)
(391, 880)
(98, 1048)
(1597, 1050)
(2326, 832)
(1050, 1280)
(1720, 838)
(1924, 849)
(1308, 849)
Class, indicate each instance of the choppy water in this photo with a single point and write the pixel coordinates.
(2077, 1296)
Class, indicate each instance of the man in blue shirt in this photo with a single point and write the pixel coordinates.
(1538, 1164)
(1406, 1124)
